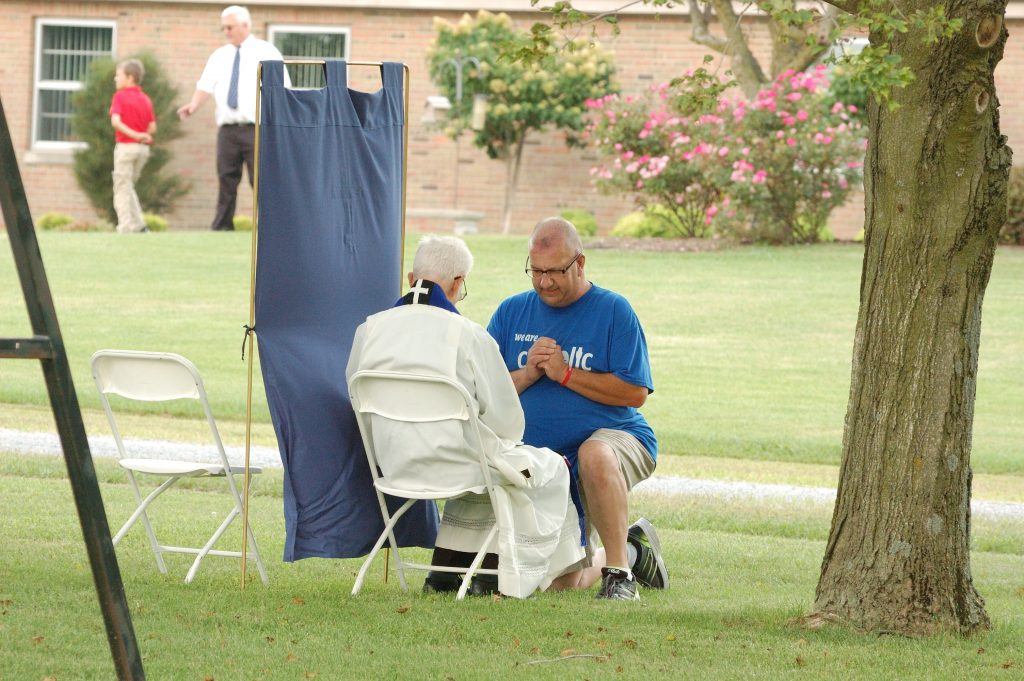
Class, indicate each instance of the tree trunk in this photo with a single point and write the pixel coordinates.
(897, 558)
(512, 164)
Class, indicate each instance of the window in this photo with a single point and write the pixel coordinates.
(309, 42)
(64, 50)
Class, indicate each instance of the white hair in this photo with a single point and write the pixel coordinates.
(239, 12)
(441, 259)
(565, 232)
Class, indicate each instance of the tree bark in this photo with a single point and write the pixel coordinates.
(897, 558)
(512, 164)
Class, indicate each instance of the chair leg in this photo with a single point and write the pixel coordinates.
(140, 512)
(475, 565)
(386, 534)
(209, 545)
(256, 555)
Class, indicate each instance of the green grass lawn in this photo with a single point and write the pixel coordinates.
(750, 346)
(751, 351)
(741, 574)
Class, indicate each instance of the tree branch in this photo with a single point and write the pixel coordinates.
(699, 31)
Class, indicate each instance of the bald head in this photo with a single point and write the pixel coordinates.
(554, 233)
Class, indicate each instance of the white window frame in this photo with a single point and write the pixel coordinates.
(274, 29)
(38, 83)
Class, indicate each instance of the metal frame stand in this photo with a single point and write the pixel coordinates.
(47, 345)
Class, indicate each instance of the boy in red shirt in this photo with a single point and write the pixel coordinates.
(131, 115)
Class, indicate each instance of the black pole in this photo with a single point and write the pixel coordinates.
(47, 346)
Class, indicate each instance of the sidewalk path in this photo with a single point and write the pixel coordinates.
(19, 442)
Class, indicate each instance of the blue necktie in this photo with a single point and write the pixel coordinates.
(233, 86)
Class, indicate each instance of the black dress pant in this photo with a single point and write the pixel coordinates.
(236, 145)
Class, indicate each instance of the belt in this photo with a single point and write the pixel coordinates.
(238, 125)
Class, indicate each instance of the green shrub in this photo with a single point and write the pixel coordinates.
(654, 221)
(49, 222)
(157, 188)
(1013, 230)
(154, 222)
(584, 220)
(242, 223)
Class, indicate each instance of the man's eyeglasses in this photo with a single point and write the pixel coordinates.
(537, 274)
(464, 291)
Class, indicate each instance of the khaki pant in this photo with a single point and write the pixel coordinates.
(128, 162)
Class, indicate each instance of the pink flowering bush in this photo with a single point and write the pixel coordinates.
(665, 159)
(771, 169)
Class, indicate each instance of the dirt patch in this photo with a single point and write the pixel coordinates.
(657, 244)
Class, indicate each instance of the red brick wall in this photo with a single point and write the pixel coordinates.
(182, 36)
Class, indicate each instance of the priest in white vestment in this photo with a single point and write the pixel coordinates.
(538, 526)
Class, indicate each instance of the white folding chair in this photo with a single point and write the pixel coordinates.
(160, 377)
(416, 398)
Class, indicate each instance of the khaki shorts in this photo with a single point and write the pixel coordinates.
(636, 465)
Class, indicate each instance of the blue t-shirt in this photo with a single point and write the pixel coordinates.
(599, 332)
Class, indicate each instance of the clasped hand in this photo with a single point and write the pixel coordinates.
(545, 358)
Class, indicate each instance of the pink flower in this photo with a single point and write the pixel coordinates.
(826, 194)
(852, 108)
(759, 177)
(794, 96)
(723, 152)
(837, 107)
(801, 115)
(790, 142)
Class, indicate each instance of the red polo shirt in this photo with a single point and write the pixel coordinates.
(135, 109)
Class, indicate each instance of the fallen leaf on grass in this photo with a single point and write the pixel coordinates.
(800, 662)
(402, 610)
(312, 675)
(291, 658)
(802, 642)
(619, 669)
(269, 639)
(36, 640)
(981, 651)
(568, 634)
(1007, 664)
(298, 600)
(567, 652)
(629, 643)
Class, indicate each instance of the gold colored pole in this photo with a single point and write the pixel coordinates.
(250, 335)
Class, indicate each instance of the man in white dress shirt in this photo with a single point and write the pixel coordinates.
(230, 78)
(538, 527)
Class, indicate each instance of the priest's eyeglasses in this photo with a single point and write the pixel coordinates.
(560, 271)
(464, 291)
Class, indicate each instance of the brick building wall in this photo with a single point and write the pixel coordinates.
(182, 35)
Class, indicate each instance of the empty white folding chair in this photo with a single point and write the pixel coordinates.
(417, 398)
(160, 377)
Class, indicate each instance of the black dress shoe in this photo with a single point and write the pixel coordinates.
(441, 582)
(483, 585)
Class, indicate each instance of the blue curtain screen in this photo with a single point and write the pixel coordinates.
(328, 255)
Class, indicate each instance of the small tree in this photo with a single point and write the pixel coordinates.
(158, 190)
(549, 93)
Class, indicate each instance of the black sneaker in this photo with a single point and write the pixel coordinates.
(441, 582)
(617, 585)
(649, 567)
